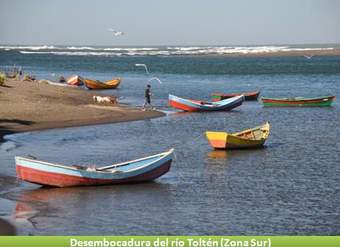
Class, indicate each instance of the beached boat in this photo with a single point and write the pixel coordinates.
(199, 105)
(298, 101)
(250, 138)
(95, 84)
(247, 96)
(54, 83)
(75, 80)
(11, 75)
(50, 174)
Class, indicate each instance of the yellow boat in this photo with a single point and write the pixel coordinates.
(94, 84)
(250, 138)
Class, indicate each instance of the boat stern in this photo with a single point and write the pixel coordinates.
(217, 140)
(182, 104)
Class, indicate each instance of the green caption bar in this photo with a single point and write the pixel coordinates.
(171, 241)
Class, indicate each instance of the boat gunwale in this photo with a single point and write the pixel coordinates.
(246, 94)
(161, 155)
(299, 100)
(118, 80)
(236, 134)
(220, 103)
(265, 126)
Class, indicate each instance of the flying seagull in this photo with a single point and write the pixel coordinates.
(156, 79)
(116, 33)
(308, 57)
(142, 65)
(147, 72)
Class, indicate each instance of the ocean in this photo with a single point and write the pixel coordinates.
(290, 187)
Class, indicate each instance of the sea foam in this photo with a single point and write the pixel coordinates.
(156, 51)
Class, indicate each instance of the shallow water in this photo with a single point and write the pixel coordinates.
(290, 187)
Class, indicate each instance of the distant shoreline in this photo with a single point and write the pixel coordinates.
(30, 106)
(178, 45)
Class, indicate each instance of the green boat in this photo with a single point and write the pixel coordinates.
(299, 101)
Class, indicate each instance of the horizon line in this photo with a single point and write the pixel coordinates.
(162, 45)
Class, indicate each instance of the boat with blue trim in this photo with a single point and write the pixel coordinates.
(57, 175)
(200, 105)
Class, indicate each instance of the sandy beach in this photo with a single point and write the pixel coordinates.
(28, 106)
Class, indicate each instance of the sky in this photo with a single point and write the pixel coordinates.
(169, 22)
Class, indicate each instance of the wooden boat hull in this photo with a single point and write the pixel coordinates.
(196, 105)
(240, 140)
(93, 84)
(11, 75)
(75, 81)
(293, 102)
(249, 96)
(49, 174)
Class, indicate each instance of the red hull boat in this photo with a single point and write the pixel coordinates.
(247, 96)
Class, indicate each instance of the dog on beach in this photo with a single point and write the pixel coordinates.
(105, 99)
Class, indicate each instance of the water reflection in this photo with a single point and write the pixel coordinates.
(80, 194)
(90, 207)
(24, 216)
(218, 154)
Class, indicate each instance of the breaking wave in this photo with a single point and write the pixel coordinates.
(155, 51)
(33, 48)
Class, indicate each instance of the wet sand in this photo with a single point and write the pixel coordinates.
(28, 106)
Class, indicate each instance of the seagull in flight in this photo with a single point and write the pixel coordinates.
(116, 33)
(147, 72)
(143, 65)
(156, 79)
(308, 57)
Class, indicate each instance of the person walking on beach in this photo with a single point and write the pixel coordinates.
(147, 97)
